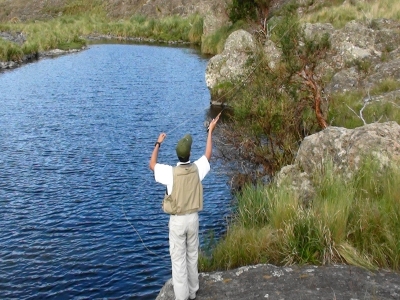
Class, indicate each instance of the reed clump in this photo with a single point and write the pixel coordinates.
(352, 220)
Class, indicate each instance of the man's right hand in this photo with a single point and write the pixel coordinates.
(213, 123)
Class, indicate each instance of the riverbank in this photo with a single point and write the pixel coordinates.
(267, 281)
(98, 38)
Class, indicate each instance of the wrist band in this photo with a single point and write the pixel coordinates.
(159, 144)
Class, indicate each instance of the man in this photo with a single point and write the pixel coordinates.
(183, 200)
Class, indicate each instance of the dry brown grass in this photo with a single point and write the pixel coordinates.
(25, 10)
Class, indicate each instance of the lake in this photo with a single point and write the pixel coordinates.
(80, 213)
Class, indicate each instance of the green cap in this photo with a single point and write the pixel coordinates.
(184, 145)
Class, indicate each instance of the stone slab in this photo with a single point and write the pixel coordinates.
(270, 282)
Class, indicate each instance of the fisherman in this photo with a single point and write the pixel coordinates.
(183, 200)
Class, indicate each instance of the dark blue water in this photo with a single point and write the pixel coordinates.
(80, 213)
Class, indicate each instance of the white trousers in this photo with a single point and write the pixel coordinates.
(184, 251)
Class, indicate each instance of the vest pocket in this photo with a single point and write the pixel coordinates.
(169, 205)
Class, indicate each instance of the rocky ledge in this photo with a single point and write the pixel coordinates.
(266, 281)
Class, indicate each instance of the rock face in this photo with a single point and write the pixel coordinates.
(346, 148)
(362, 55)
(365, 52)
(294, 282)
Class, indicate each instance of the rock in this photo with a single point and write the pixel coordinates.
(317, 30)
(213, 22)
(8, 65)
(58, 52)
(361, 56)
(345, 148)
(15, 37)
(298, 181)
(273, 54)
(343, 81)
(383, 71)
(35, 56)
(214, 14)
(266, 281)
(231, 64)
(354, 42)
(365, 52)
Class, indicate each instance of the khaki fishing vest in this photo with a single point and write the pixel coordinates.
(187, 191)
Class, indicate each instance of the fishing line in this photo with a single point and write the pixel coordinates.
(133, 227)
(228, 92)
(147, 180)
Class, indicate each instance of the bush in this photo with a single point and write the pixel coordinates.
(273, 110)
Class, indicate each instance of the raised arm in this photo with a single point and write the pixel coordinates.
(154, 155)
(211, 128)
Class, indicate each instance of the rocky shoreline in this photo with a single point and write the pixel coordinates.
(8, 65)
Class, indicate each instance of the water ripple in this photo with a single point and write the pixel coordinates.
(79, 209)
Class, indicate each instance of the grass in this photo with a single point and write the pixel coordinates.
(350, 220)
(68, 31)
(345, 108)
(338, 14)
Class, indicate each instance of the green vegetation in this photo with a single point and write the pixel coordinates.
(9, 51)
(349, 220)
(354, 221)
(345, 108)
(273, 109)
(69, 23)
(338, 13)
(77, 19)
(248, 10)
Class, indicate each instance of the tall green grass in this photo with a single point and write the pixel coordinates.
(10, 51)
(352, 220)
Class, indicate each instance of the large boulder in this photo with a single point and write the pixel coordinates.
(231, 65)
(345, 148)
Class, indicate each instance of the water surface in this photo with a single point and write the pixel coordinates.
(80, 213)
